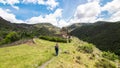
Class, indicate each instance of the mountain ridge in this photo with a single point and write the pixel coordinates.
(22, 30)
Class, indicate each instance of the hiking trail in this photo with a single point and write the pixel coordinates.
(46, 63)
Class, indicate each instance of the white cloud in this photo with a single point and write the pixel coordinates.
(30, 1)
(15, 7)
(115, 17)
(113, 8)
(53, 18)
(87, 12)
(41, 2)
(50, 3)
(7, 10)
(91, 11)
(9, 16)
(11, 2)
(62, 23)
(2, 1)
(93, 0)
(50, 18)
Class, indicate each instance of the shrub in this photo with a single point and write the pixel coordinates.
(10, 37)
(109, 55)
(85, 48)
(54, 39)
(103, 63)
(26, 35)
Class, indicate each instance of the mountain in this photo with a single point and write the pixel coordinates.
(105, 35)
(26, 30)
(49, 26)
(76, 25)
(6, 25)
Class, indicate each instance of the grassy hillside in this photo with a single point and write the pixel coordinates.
(26, 55)
(25, 30)
(71, 57)
(105, 35)
(77, 54)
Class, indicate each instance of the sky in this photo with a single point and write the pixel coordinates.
(59, 12)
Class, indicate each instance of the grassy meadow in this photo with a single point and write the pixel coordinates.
(34, 55)
(25, 55)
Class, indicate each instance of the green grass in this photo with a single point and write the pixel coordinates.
(70, 57)
(26, 56)
(32, 56)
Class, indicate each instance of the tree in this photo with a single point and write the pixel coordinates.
(11, 37)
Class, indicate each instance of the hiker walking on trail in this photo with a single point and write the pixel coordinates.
(56, 49)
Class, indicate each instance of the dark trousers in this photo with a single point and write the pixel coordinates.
(56, 50)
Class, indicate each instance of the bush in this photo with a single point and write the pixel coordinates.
(109, 55)
(11, 37)
(103, 63)
(85, 48)
(54, 39)
(26, 35)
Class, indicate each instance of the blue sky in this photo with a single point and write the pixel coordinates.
(59, 12)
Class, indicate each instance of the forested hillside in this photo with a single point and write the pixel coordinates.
(105, 35)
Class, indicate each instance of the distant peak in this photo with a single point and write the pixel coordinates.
(1, 17)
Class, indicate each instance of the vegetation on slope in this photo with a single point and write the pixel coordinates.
(11, 37)
(55, 39)
(77, 25)
(33, 55)
(106, 36)
(25, 30)
(71, 57)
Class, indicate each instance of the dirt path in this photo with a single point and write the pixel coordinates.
(46, 63)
